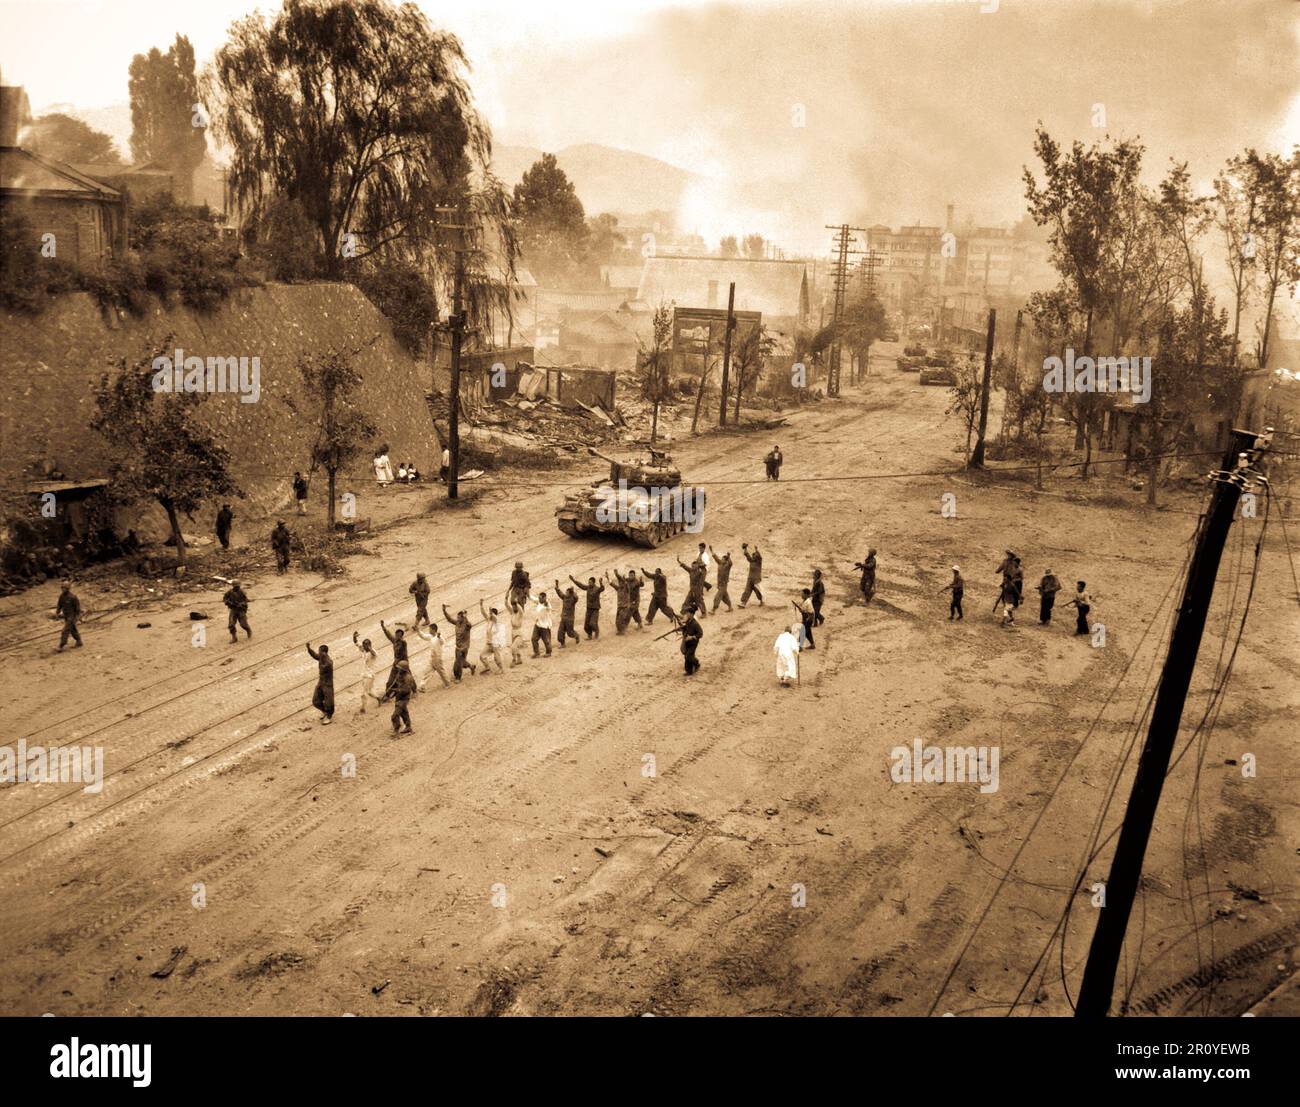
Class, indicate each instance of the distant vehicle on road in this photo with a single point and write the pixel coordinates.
(914, 351)
(942, 375)
(909, 364)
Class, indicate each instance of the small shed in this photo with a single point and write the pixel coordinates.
(72, 509)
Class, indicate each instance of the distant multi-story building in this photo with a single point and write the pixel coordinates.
(909, 271)
(922, 267)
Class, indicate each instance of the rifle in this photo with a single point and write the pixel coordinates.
(675, 630)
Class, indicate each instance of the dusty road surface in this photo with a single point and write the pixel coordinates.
(594, 833)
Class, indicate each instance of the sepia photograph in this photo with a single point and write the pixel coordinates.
(653, 508)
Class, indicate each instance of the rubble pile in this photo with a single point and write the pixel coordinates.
(521, 421)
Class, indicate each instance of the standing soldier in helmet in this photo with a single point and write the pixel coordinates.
(520, 586)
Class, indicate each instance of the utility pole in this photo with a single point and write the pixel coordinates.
(1180, 661)
(977, 455)
(867, 268)
(456, 325)
(1015, 374)
(726, 354)
(844, 247)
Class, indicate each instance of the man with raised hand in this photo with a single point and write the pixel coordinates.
(463, 629)
(755, 560)
(568, 611)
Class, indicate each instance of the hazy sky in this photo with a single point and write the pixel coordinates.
(905, 105)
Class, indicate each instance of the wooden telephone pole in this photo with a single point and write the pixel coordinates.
(726, 354)
(867, 269)
(1126, 866)
(456, 324)
(977, 455)
(843, 248)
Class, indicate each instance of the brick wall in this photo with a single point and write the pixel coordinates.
(78, 227)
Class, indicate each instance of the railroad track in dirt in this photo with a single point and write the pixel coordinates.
(43, 822)
(133, 907)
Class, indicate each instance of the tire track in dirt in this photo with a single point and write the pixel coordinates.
(182, 731)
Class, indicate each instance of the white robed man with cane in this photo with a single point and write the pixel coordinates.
(787, 654)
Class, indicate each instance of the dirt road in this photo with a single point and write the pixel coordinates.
(517, 856)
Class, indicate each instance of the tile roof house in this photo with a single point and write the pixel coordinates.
(139, 181)
(86, 217)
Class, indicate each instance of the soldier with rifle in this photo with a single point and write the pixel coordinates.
(691, 633)
(868, 582)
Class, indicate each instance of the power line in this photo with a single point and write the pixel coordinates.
(516, 484)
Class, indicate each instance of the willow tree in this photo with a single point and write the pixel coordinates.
(359, 114)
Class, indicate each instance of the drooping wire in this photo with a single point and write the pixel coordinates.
(1004, 880)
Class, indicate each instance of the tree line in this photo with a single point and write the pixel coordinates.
(1132, 280)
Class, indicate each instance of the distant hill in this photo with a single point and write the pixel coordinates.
(607, 179)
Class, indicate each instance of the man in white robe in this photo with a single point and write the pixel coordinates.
(787, 655)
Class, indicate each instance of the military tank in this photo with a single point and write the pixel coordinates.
(643, 500)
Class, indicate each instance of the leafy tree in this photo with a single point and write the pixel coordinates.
(165, 125)
(551, 224)
(1082, 199)
(1034, 407)
(964, 399)
(1236, 198)
(404, 295)
(605, 244)
(1192, 341)
(1275, 181)
(342, 428)
(181, 250)
(160, 449)
(754, 246)
(283, 240)
(67, 139)
(655, 363)
(861, 325)
(360, 114)
(728, 247)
